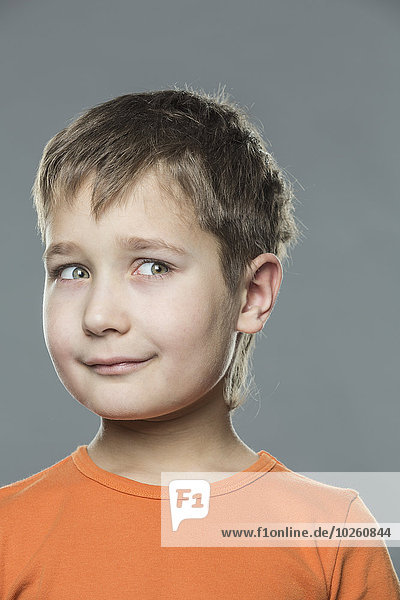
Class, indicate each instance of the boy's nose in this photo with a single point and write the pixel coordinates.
(105, 310)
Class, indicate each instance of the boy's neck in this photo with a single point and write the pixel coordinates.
(199, 437)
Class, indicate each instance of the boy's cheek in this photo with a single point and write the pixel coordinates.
(58, 333)
(57, 348)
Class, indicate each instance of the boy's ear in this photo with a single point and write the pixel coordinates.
(260, 292)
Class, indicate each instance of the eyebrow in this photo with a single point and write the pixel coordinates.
(126, 243)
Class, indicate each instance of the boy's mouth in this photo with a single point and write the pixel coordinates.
(116, 360)
(117, 368)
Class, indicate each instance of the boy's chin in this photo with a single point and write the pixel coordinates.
(114, 412)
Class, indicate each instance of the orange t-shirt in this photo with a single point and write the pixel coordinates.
(75, 530)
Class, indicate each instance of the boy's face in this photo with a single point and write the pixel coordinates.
(108, 303)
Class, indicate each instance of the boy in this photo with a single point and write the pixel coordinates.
(165, 221)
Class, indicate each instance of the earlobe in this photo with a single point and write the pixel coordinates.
(251, 320)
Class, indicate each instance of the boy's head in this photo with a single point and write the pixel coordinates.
(181, 166)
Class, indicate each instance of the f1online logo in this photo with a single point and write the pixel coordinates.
(189, 499)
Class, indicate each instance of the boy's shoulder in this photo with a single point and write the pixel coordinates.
(307, 497)
(40, 486)
(298, 481)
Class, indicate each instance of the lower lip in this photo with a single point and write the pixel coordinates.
(120, 368)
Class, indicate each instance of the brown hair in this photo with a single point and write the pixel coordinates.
(203, 145)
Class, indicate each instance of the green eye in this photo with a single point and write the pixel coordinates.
(56, 273)
(154, 270)
(79, 271)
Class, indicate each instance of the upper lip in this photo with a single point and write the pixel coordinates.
(114, 360)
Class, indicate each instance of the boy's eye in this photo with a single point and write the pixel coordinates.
(153, 271)
(79, 270)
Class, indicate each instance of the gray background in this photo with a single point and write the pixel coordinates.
(322, 79)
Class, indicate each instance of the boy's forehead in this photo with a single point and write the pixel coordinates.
(150, 195)
(147, 211)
